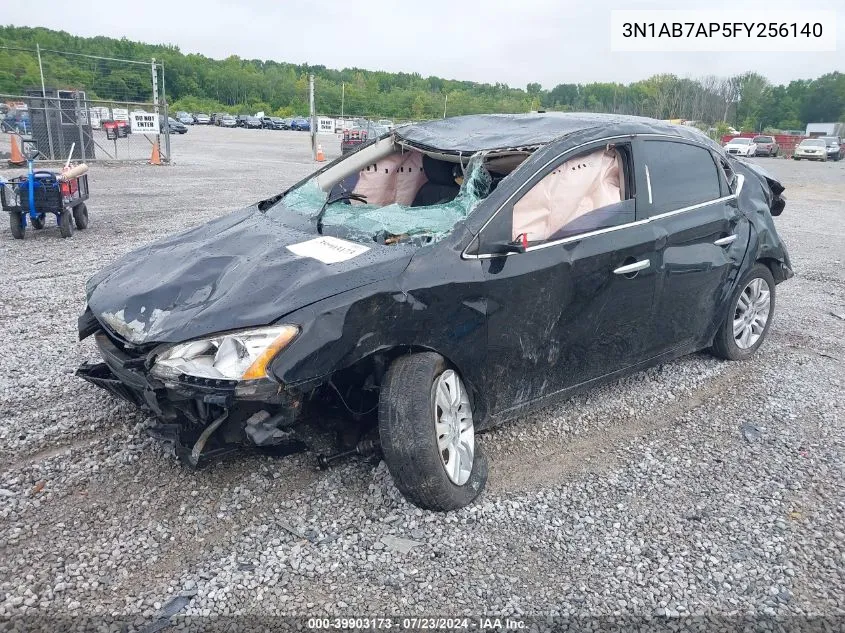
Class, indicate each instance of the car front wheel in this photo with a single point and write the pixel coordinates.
(749, 317)
(427, 434)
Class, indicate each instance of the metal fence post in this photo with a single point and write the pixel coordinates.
(79, 127)
(313, 117)
(155, 100)
(166, 116)
(44, 101)
(166, 135)
(90, 129)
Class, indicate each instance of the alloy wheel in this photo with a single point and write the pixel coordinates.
(454, 427)
(752, 313)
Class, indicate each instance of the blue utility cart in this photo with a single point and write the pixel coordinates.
(41, 192)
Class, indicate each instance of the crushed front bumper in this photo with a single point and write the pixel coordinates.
(203, 418)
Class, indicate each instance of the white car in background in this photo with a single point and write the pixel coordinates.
(811, 149)
(741, 147)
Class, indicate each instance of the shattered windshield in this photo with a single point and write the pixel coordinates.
(345, 213)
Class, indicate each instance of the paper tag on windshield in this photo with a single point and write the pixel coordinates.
(329, 250)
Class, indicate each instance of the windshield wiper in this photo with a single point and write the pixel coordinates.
(346, 195)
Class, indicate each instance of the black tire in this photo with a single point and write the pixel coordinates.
(724, 344)
(80, 216)
(409, 441)
(16, 224)
(66, 223)
(38, 223)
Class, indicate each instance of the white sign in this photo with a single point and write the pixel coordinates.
(325, 125)
(329, 250)
(119, 114)
(143, 123)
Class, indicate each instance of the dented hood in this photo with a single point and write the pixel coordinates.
(234, 272)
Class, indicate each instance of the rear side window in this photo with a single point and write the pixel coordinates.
(679, 175)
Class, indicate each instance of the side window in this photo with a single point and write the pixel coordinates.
(727, 177)
(588, 192)
(679, 175)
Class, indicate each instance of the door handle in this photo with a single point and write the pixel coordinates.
(627, 269)
(724, 241)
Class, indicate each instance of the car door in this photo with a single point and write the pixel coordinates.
(702, 237)
(576, 305)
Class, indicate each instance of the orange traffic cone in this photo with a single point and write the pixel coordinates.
(320, 155)
(155, 158)
(16, 159)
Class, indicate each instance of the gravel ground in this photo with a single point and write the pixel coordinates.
(700, 487)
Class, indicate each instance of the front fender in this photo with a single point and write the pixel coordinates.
(382, 318)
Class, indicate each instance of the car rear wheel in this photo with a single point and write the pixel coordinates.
(747, 322)
(427, 434)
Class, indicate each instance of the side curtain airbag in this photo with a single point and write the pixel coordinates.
(396, 178)
(573, 189)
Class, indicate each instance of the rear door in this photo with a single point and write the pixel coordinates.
(701, 235)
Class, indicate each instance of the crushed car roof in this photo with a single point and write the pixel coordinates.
(484, 132)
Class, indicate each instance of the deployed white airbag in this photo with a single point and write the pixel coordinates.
(576, 187)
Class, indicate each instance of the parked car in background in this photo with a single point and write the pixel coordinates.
(286, 122)
(215, 118)
(272, 122)
(437, 296)
(176, 127)
(834, 147)
(185, 118)
(16, 120)
(766, 146)
(253, 122)
(811, 149)
(300, 123)
(202, 119)
(386, 123)
(227, 120)
(241, 119)
(741, 147)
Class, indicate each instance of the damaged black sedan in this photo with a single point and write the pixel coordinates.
(443, 278)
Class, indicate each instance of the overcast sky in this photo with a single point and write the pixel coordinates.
(515, 42)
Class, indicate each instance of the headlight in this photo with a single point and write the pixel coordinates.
(242, 355)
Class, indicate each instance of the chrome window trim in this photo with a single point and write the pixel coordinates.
(575, 238)
(648, 183)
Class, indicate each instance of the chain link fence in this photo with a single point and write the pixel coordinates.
(59, 105)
